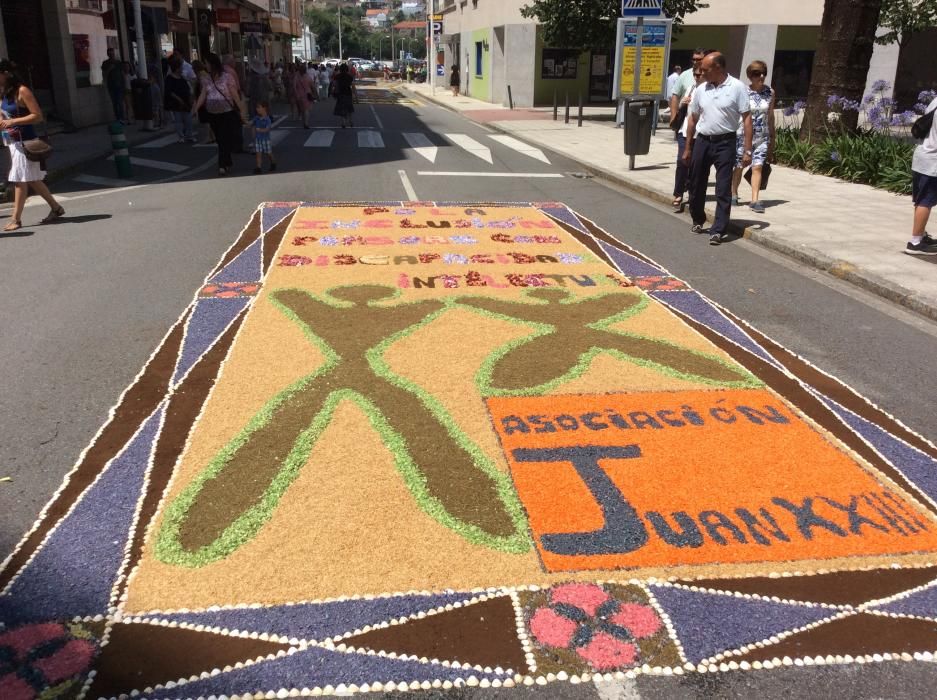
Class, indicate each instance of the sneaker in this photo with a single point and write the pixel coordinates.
(757, 207)
(697, 228)
(928, 240)
(921, 248)
(715, 239)
(735, 201)
(181, 141)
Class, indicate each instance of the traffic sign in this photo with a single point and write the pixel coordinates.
(642, 8)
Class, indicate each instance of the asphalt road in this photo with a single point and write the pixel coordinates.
(84, 303)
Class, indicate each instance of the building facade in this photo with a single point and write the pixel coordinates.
(60, 44)
(494, 47)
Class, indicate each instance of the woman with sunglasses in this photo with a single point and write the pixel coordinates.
(762, 99)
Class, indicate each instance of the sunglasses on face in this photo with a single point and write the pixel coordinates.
(757, 74)
(696, 75)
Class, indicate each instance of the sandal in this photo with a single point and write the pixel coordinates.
(13, 226)
(53, 215)
(678, 205)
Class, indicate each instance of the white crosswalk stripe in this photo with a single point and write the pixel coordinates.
(520, 147)
(159, 143)
(370, 139)
(472, 146)
(320, 139)
(421, 144)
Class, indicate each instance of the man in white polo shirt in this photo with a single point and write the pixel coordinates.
(713, 119)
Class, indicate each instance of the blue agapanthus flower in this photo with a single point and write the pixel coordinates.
(881, 86)
(835, 156)
(833, 100)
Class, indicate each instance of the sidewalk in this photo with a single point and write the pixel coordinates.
(74, 150)
(854, 232)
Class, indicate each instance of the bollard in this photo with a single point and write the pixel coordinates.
(510, 98)
(121, 152)
(567, 107)
(580, 109)
(555, 105)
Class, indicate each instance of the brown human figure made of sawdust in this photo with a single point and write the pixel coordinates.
(350, 329)
(576, 331)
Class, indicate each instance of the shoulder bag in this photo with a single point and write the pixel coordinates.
(922, 126)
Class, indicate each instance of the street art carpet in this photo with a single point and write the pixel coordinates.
(410, 445)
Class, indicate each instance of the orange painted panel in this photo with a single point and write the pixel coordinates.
(698, 477)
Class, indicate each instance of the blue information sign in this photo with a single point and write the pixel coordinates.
(642, 8)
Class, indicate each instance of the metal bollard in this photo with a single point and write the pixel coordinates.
(567, 107)
(555, 105)
(121, 152)
(510, 98)
(580, 109)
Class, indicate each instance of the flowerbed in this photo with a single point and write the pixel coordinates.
(879, 154)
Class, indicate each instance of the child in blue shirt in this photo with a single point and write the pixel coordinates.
(262, 125)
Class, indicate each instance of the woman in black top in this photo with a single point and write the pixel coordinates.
(455, 80)
(344, 95)
(178, 101)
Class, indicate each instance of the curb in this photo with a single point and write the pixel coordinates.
(805, 255)
(57, 174)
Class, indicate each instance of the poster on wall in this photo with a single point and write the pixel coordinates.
(81, 44)
(559, 64)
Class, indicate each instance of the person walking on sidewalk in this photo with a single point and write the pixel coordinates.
(222, 100)
(112, 71)
(682, 175)
(19, 112)
(761, 98)
(179, 100)
(685, 84)
(455, 80)
(715, 111)
(924, 189)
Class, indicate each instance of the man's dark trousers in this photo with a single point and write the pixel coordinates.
(707, 153)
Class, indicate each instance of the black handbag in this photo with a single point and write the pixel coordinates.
(765, 174)
(922, 126)
(677, 123)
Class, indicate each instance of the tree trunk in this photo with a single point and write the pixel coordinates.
(841, 63)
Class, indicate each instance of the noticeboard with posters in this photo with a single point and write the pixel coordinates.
(642, 56)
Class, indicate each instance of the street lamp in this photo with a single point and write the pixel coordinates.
(380, 48)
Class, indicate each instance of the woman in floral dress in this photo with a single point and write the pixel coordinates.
(762, 98)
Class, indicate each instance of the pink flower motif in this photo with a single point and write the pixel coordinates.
(585, 596)
(552, 629)
(605, 652)
(56, 664)
(640, 620)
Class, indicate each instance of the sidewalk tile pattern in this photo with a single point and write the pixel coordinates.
(566, 544)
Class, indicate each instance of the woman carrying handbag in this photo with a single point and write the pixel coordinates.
(19, 111)
(222, 99)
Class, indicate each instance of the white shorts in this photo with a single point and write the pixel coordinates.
(22, 169)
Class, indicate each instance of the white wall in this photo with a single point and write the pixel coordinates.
(93, 26)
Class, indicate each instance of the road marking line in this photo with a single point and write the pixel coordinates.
(471, 174)
(277, 136)
(156, 164)
(472, 146)
(279, 121)
(422, 145)
(370, 139)
(380, 124)
(103, 181)
(159, 143)
(320, 139)
(520, 147)
(407, 186)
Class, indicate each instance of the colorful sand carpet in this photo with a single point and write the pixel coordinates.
(424, 445)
